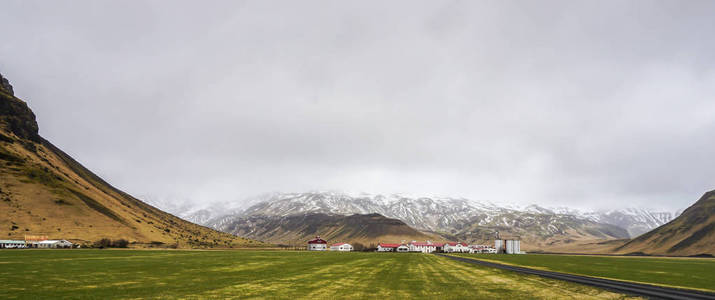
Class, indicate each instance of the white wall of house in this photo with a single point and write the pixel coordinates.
(12, 244)
(317, 247)
(54, 244)
(459, 247)
(423, 248)
(384, 249)
(342, 247)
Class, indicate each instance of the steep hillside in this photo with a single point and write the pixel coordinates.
(692, 233)
(296, 229)
(44, 191)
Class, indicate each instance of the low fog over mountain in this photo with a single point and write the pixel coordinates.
(447, 215)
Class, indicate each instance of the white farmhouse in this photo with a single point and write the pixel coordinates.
(341, 247)
(426, 247)
(456, 247)
(383, 247)
(317, 244)
(480, 248)
(10, 244)
(402, 248)
(54, 244)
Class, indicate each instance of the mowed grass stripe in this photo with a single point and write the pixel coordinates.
(142, 274)
(693, 273)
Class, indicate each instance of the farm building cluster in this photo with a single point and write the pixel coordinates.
(318, 244)
(429, 247)
(508, 246)
(35, 242)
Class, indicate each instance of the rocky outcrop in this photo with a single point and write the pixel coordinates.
(5, 86)
(15, 115)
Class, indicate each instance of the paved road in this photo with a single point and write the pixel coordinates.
(637, 289)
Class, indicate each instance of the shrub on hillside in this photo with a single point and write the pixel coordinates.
(103, 243)
(107, 243)
(120, 243)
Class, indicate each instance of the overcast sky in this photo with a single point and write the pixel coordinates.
(590, 104)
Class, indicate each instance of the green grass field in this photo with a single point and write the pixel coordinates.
(104, 274)
(696, 273)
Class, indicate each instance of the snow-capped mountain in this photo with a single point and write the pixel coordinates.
(450, 218)
(636, 220)
(453, 216)
(434, 214)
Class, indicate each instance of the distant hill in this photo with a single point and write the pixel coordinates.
(44, 191)
(297, 229)
(692, 233)
(449, 218)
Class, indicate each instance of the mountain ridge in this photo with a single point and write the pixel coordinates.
(540, 228)
(448, 215)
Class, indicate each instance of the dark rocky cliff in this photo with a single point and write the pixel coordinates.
(15, 115)
(5, 85)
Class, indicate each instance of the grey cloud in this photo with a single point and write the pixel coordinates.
(587, 104)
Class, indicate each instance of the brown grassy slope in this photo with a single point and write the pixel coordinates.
(691, 233)
(569, 234)
(297, 229)
(599, 246)
(43, 191)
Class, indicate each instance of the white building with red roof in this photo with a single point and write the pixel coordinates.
(317, 244)
(385, 247)
(341, 247)
(425, 247)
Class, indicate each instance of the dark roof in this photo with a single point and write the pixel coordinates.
(317, 240)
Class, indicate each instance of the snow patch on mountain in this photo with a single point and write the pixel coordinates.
(438, 214)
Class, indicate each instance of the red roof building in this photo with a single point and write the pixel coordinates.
(317, 240)
(385, 247)
(425, 247)
(341, 247)
(317, 244)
